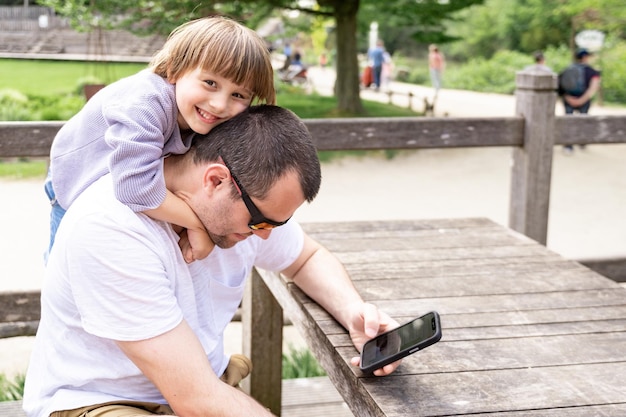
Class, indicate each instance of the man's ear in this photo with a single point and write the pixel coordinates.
(215, 176)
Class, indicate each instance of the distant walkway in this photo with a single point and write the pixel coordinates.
(450, 103)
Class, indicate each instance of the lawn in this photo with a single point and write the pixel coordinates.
(43, 77)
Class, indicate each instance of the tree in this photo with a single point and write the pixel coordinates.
(423, 17)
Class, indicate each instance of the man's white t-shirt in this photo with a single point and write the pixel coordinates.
(118, 275)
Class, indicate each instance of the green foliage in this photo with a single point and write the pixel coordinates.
(496, 75)
(13, 105)
(300, 364)
(612, 62)
(12, 390)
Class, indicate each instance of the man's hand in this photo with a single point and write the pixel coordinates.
(195, 244)
(575, 101)
(368, 322)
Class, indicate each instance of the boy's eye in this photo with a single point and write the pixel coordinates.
(211, 83)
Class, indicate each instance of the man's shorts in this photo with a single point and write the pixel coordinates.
(118, 409)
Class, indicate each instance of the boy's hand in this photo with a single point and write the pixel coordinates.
(195, 245)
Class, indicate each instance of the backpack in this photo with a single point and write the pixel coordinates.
(572, 80)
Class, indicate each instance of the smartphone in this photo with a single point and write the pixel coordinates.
(402, 341)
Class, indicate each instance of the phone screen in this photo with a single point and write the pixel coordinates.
(402, 341)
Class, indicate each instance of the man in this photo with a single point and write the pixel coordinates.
(128, 328)
(436, 66)
(540, 63)
(377, 57)
(576, 101)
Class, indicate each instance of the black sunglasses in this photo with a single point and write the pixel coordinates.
(258, 221)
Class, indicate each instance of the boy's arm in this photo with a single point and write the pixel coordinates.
(174, 210)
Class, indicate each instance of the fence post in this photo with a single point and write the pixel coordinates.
(262, 323)
(532, 162)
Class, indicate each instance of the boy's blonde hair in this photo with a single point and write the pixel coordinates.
(221, 46)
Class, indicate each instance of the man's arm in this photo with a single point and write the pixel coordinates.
(176, 363)
(322, 277)
(594, 86)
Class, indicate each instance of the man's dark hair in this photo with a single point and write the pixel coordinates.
(260, 145)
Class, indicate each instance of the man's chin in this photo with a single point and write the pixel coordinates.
(225, 242)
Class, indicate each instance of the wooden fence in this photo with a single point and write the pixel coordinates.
(532, 133)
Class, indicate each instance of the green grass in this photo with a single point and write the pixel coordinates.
(314, 106)
(39, 77)
(23, 169)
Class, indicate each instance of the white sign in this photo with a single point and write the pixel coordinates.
(590, 39)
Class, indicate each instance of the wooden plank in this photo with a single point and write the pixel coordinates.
(338, 230)
(497, 282)
(506, 302)
(501, 390)
(414, 132)
(375, 255)
(20, 306)
(434, 240)
(309, 391)
(525, 320)
(512, 331)
(612, 410)
(520, 352)
(11, 409)
(32, 139)
(486, 304)
(460, 267)
(580, 129)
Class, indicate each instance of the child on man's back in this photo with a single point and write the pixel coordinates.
(208, 71)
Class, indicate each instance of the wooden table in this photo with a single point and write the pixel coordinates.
(525, 331)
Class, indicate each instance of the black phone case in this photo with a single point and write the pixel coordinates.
(405, 352)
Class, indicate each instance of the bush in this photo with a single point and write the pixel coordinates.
(300, 364)
(12, 390)
(612, 62)
(58, 107)
(14, 105)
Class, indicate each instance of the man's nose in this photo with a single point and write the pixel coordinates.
(262, 233)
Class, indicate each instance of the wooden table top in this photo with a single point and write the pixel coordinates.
(525, 331)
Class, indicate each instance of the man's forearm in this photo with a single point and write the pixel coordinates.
(176, 363)
(323, 278)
